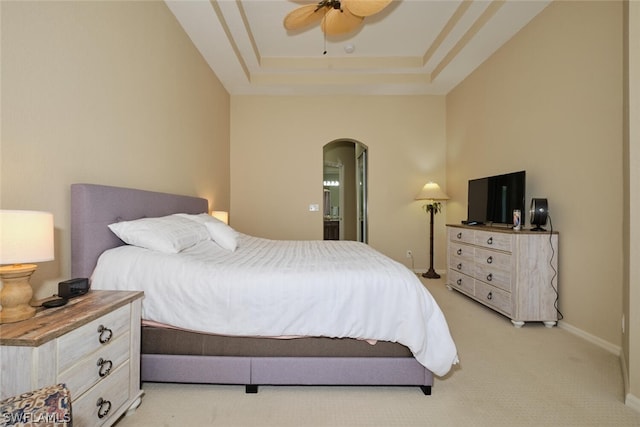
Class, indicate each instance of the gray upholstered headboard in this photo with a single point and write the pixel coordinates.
(93, 207)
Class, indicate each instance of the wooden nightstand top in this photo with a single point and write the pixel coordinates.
(51, 323)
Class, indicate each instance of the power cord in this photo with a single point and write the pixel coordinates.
(413, 268)
(555, 272)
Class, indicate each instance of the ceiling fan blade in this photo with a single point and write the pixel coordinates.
(304, 16)
(338, 21)
(365, 7)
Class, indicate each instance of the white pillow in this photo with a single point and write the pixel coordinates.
(221, 233)
(169, 234)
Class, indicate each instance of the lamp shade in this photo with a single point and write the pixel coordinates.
(431, 191)
(25, 236)
(221, 215)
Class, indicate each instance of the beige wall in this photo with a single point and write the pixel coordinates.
(550, 102)
(276, 165)
(105, 92)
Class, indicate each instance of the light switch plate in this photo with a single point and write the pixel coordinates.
(314, 207)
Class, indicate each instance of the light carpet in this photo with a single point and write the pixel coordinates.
(532, 376)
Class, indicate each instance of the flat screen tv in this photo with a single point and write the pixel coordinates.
(492, 200)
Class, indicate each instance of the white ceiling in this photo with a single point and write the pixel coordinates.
(411, 47)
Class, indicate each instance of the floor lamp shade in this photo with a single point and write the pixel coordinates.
(431, 191)
(433, 194)
(25, 237)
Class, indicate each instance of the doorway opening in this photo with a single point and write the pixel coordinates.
(345, 190)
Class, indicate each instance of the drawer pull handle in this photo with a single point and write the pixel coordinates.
(489, 260)
(105, 334)
(490, 295)
(459, 282)
(459, 252)
(105, 367)
(459, 266)
(102, 404)
(490, 241)
(459, 235)
(489, 277)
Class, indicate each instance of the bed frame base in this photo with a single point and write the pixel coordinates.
(255, 371)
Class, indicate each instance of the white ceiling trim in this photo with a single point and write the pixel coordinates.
(412, 47)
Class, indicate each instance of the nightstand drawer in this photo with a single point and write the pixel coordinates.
(94, 335)
(113, 392)
(97, 366)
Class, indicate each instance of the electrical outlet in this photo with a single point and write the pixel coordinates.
(409, 254)
(314, 207)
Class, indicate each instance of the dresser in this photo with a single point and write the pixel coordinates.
(92, 344)
(512, 272)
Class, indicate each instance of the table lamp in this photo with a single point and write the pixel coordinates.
(25, 237)
(221, 215)
(433, 194)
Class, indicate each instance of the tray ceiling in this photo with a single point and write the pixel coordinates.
(411, 47)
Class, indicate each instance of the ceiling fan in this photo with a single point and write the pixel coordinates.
(336, 16)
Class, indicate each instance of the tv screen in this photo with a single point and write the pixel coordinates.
(493, 199)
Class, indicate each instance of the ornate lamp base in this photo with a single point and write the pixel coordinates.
(16, 293)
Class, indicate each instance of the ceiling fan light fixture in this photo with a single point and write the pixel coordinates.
(336, 16)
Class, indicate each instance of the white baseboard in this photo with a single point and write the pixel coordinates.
(632, 402)
(612, 348)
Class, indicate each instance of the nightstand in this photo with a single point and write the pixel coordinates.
(92, 344)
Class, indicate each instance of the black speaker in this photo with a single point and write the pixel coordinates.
(73, 288)
(538, 214)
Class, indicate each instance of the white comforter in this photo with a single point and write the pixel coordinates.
(284, 288)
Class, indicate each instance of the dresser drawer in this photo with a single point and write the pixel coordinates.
(461, 281)
(461, 265)
(97, 366)
(488, 258)
(85, 340)
(461, 235)
(461, 251)
(493, 240)
(494, 276)
(114, 392)
(493, 297)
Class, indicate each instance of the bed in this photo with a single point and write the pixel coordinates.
(185, 354)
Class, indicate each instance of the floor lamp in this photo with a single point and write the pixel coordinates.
(433, 194)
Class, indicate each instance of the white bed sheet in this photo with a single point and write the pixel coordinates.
(293, 288)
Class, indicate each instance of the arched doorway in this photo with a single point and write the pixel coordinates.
(345, 190)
